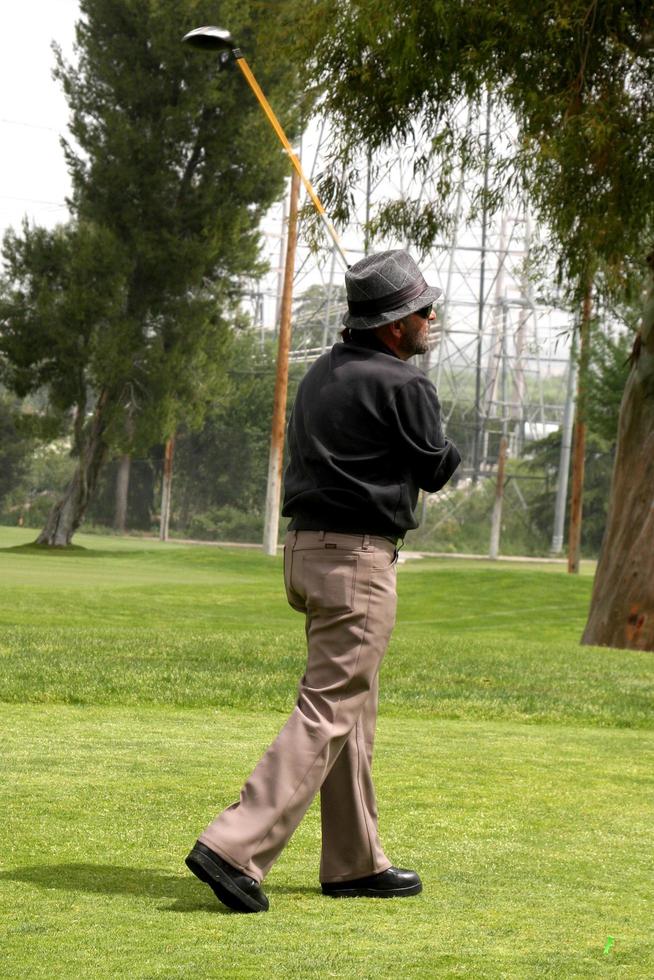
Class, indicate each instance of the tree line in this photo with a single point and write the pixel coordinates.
(220, 470)
(123, 317)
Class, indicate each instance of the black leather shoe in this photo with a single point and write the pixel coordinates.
(392, 883)
(233, 888)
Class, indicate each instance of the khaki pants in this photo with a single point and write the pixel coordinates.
(345, 586)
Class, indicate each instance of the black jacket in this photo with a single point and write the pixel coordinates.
(364, 436)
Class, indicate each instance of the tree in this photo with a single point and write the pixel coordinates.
(221, 467)
(225, 463)
(15, 448)
(62, 296)
(622, 606)
(172, 167)
(543, 460)
(577, 78)
(608, 371)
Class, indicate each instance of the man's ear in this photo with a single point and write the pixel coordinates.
(390, 334)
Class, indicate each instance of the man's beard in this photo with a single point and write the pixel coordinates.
(414, 341)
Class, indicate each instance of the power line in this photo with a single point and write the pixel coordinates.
(32, 200)
(28, 125)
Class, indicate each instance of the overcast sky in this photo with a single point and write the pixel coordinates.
(33, 111)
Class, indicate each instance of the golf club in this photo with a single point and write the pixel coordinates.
(216, 39)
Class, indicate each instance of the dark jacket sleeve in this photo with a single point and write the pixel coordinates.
(417, 418)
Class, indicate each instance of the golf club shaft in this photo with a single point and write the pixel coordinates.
(276, 125)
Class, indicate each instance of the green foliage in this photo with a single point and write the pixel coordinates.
(226, 524)
(15, 450)
(576, 79)
(178, 158)
(544, 459)
(143, 496)
(31, 511)
(46, 472)
(459, 520)
(127, 309)
(62, 295)
(607, 376)
(221, 469)
(226, 462)
(178, 162)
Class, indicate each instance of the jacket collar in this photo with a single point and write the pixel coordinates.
(370, 341)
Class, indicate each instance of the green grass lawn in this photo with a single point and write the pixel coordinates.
(140, 682)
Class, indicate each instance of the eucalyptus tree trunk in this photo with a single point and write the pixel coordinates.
(68, 513)
(622, 607)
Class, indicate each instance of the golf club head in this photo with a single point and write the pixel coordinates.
(210, 38)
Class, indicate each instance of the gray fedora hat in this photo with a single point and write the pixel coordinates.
(383, 288)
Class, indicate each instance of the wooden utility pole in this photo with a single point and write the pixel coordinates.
(275, 460)
(166, 488)
(496, 520)
(579, 445)
(280, 269)
(564, 456)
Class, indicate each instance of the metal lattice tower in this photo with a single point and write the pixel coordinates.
(496, 353)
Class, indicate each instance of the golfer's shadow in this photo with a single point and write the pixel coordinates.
(186, 893)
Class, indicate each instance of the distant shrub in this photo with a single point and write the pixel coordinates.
(459, 520)
(226, 524)
(32, 513)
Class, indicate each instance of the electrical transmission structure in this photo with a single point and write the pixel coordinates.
(499, 355)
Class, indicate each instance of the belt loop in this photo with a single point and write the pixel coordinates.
(321, 535)
(295, 539)
(366, 542)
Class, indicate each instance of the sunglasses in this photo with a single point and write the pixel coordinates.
(425, 311)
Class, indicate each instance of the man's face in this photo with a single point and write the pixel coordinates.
(415, 336)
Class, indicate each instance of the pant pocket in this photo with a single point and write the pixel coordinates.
(328, 581)
(384, 559)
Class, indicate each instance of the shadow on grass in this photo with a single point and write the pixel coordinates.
(187, 894)
(104, 879)
(70, 551)
(197, 553)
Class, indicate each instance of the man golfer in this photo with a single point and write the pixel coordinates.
(364, 436)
